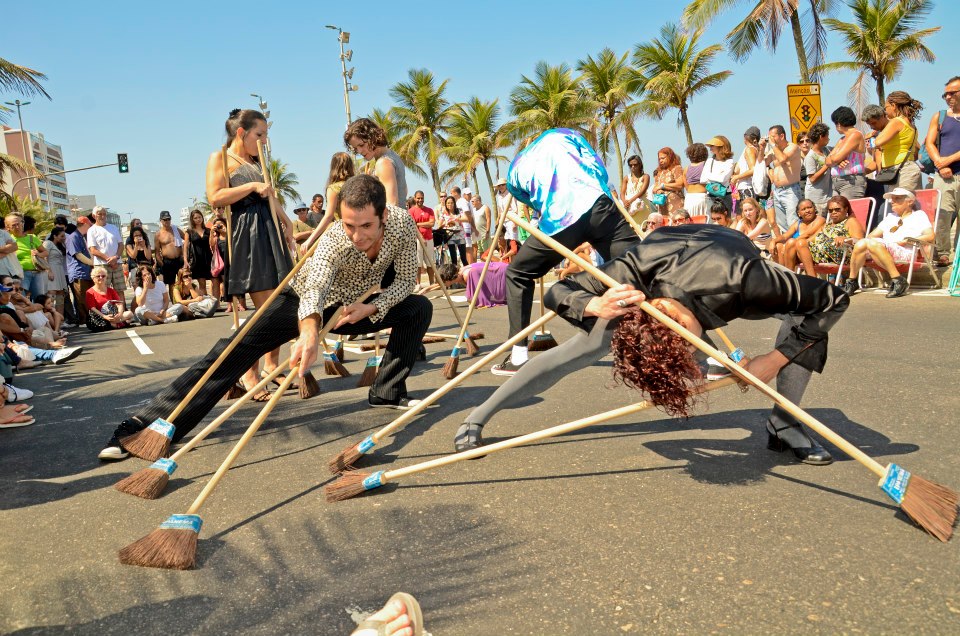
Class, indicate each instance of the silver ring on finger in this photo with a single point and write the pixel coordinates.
(622, 304)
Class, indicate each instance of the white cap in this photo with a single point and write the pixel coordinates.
(467, 191)
(899, 192)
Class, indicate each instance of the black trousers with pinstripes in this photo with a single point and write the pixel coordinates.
(408, 320)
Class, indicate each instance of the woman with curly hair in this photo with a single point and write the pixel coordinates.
(369, 141)
(896, 144)
(702, 276)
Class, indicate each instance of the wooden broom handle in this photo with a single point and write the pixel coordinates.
(638, 230)
(725, 360)
(457, 381)
(228, 213)
(483, 275)
(239, 335)
(529, 438)
(255, 426)
(443, 288)
(268, 179)
(223, 417)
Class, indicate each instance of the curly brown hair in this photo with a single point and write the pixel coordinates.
(649, 357)
(365, 130)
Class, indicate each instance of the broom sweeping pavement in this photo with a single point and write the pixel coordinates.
(641, 525)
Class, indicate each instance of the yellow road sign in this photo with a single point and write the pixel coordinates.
(804, 106)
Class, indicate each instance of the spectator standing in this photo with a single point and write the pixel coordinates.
(466, 219)
(424, 218)
(847, 160)
(451, 223)
(197, 250)
(482, 221)
(153, 301)
(742, 179)
(368, 140)
(316, 213)
(943, 146)
(301, 226)
(104, 242)
(634, 188)
(784, 159)
(9, 263)
(169, 252)
(130, 249)
(819, 187)
(897, 142)
(803, 141)
(79, 264)
(718, 170)
(695, 197)
(28, 247)
(57, 274)
(341, 169)
(668, 177)
(218, 245)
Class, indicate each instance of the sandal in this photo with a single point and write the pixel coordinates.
(260, 396)
(278, 381)
(11, 417)
(412, 610)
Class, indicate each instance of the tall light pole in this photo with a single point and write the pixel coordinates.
(23, 137)
(345, 56)
(262, 103)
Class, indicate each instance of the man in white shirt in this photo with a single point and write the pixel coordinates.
(105, 244)
(891, 241)
(466, 218)
(9, 263)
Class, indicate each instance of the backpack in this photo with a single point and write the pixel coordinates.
(926, 163)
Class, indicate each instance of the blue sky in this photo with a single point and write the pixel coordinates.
(156, 80)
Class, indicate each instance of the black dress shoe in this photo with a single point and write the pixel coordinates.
(468, 439)
(816, 455)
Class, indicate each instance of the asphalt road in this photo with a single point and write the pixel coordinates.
(640, 525)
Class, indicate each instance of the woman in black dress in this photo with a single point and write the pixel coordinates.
(198, 250)
(261, 245)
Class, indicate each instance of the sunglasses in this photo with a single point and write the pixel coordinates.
(834, 209)
(897, 226)
(97, 276)
(947, 94)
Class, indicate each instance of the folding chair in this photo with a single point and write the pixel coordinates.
(921, 251)
(699, 218)
(862, 211)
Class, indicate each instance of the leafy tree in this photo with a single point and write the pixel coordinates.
(474, 138)
(672, 70)
(21, 81)
(284, 182)
(552, 98)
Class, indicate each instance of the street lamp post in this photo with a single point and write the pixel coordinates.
(345, 56)
(23, 137)
(266, 115)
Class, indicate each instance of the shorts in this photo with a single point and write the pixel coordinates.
(115, 279)
(169, 269)
(899, 253)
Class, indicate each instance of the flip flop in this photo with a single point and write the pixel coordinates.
(413, 611)
(278, 381)
(17, 421)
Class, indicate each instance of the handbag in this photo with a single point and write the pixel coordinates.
(760, 179)
(659, 199)
(926, 163)
(40, 264)
(715, 188)
(216, 263)
(889, 174)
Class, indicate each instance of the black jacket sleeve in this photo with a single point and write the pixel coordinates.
(569, 297)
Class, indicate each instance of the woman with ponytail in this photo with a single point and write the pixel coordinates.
(897, 143)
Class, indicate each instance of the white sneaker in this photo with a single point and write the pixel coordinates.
(111, 453)
(17, 395)
(169, 319)
(68, 325)
(67, 353)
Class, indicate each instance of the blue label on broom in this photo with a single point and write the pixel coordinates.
(542, 336)
(736, 355)
(164, 464)
(328, 356)
(338, 346)
(163, 427)
(373, 481)
(374, 361)
(455, 353)
(895, 482)
(183, 522)
(367, 444)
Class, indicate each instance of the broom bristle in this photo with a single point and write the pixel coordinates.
(333, 366)
(368, 347)
(369, 374)
(339, 350)
(345, 459)
(309, 386)
(472, 348)
(172, 546)
(147, 483)
(432, 339)
(542, 342)
(477, 336)
(350, 484)
(450, 367)
(235, 392)
(932, 506)
(151, 443)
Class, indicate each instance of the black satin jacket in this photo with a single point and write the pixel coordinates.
(719, 275)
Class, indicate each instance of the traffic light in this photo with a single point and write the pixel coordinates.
(122, 163)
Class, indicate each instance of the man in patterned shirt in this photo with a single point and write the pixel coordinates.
(372, 245)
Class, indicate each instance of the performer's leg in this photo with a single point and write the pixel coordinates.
(408, 320)
(610, 234)
(277, 326)
(539, 374)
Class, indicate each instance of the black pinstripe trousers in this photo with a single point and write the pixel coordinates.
(408, 320)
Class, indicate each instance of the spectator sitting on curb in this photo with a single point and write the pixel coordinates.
(104, 306)
(187, 296)
(19, 332)
(153, 301)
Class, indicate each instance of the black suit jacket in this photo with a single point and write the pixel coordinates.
(719, 275)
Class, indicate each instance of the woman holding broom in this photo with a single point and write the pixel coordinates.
(702, 276)
(259, 254)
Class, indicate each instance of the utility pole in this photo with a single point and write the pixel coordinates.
(345, 56)
(23, 139)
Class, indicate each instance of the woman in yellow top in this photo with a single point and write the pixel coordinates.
(341, 169)
(896, 144)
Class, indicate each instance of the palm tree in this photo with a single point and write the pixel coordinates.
(552, 98)
(763, 26)
(672, 70)
(882, 35)
(284, 182)
(420, 117)
(15, 166)
(612, 84)
(382, 118)
(20, 80)
(474, 138)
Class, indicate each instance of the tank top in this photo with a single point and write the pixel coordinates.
(742, 166)
(950, 139)
(400, 171)
(694, 170)
(633, 186)
(895, 152)
(854, 164)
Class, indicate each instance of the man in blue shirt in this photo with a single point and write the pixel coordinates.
(79, 264)
(564, 179)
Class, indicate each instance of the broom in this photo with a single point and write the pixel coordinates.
(339, 350)
(433, 339)
(149, 482)
(931, 506)
(153, 442)
(332, 364)
(355, 482)
(543, 339)
(450, 366)
(228, 214)
(373, 365)
(345, 458)
(274, 204)
(174, 544)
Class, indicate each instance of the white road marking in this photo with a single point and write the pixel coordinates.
(241, 321)
(139, 343)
